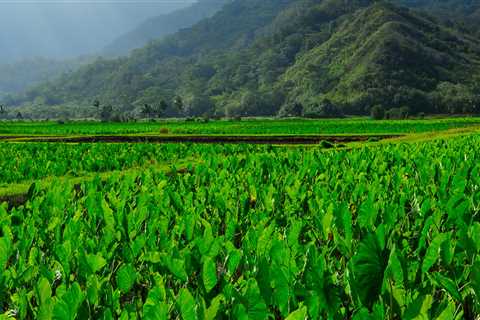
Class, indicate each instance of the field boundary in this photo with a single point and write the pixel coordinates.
(250, 139)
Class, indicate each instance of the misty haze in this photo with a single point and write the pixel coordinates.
(69, 28)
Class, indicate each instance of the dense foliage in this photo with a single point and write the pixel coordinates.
(32, 161)
(375, 233)
(464, 13)
(307, 58)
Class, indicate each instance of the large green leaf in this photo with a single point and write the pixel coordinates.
(67, 307)
(433, 252)
(256, 307)
(126, 277)
(108, 215)
(418, 309)
(43, 294)
(448, 313)
(186, 303)
(394, 269)
(475, 278)
(43, 291)
(300, 314)
(96, 262)
(448, 285)
(369, 265)
(177, 267)
(5, 251)
(209, 274)
(211, 312)
(154, 307)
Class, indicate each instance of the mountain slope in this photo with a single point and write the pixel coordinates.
(388, 56)
(155, 70)
(299, 57)
(164, 25)
(17, 77)
(461, 12)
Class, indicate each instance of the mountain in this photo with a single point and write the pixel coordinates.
(17, 77)
(291, 57)
(392, 57)
(163, 25)
(465, 13)
(68, 29)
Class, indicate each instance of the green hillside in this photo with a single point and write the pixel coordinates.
(17, 77)
(164, 25)
(465, 13)
(392, 57)
(297, 57)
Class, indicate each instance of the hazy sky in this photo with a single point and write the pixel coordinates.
(61, 28)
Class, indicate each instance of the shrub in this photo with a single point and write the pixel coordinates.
(377, 112)
(397, 113)
(322, 108)
(326, 144)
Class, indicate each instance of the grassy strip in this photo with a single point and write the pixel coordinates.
(420, 137)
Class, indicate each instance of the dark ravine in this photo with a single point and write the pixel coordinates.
(280, 139)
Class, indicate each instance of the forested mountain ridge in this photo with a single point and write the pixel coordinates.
(291, 57)
(166, 24)
(17, 77)
(156, 70)
(465, 13)
(384, 55)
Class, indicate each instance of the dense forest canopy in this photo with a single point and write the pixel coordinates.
(314, 58)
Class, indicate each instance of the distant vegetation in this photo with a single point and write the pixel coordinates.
(17, 77)
(198, 126)
(307, 58)
(163, 25)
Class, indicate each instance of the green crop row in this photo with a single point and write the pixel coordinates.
(254, 126)
(31, 161)
(390, 232)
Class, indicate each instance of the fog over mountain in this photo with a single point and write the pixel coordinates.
(69, 28)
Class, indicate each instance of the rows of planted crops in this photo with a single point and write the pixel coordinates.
(234, 127)
(29, 161)
(390, 232)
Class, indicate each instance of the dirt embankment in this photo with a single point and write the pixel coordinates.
(253, 139)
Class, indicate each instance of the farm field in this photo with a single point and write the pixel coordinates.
(383, 229)
(354, 126)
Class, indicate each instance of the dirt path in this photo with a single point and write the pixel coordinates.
(253, 139)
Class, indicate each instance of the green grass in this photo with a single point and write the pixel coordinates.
(244, 127)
